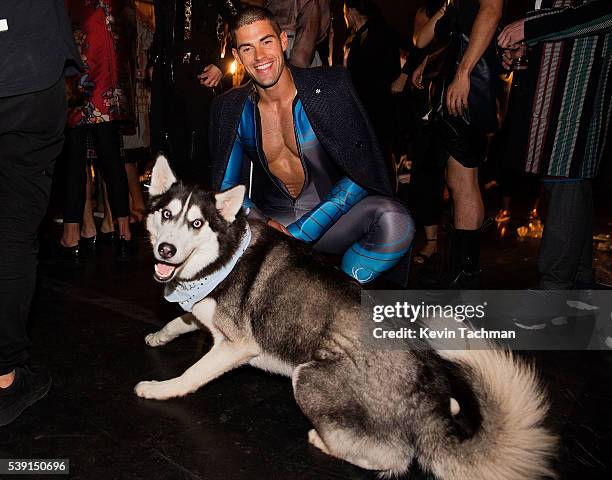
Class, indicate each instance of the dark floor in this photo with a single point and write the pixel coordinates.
(88, 328)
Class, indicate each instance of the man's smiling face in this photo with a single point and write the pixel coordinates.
(260, 49)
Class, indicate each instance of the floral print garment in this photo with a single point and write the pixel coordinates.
(102, 93)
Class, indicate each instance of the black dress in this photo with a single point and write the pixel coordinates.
(374, 63)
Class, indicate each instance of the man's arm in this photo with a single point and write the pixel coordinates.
(424, 27)
(233, 174)
(555, 24)
(484, 27)
(306, 34)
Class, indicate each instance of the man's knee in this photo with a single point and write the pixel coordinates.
(391, 215)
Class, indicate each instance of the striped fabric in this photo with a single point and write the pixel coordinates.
(571, 106)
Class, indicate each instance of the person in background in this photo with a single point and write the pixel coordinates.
(461, 128)
(99, 105)
(373, 60)
(427, 182)
(186, 67)
(307, 24)
(558, 123)
(32, 120)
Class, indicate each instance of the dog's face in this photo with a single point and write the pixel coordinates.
(184, 223)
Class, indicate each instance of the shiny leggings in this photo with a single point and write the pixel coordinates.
(372, 237)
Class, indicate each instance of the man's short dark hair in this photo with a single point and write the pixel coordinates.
(250, 15)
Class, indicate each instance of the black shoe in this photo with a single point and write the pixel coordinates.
(88, 244)
(68, 254)
(123, 249)
(463, 271)
(27, 388)
(457, 279)
(106, 238)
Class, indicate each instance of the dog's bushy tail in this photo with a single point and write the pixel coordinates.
(510, 442)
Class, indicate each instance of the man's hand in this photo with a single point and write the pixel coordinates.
(210, 76)
(512, 35)
(281, 228)
(417, 76)
(399, 83)
(510, 54)
(457, 94)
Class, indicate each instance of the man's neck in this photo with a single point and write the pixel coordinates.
(283, 90)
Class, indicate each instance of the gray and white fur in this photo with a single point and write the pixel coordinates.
(463, 415)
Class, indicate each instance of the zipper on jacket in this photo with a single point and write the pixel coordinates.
(264, 161)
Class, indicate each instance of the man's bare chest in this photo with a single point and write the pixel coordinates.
(280, 147)
(278, 134)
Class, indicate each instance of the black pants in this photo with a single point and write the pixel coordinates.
(180, 109)
(566, 251)
(427, 183)
(108, 150)
(31, 137)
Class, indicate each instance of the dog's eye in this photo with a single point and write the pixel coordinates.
(197, 223)
(167, 214)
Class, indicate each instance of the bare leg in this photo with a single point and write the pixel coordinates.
(431, 246)
(71, 235)
(124, 227)
(136, 200)
(107, 223)
(463, 183)
(88, 228)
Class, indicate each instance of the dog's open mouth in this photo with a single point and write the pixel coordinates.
(164, 272)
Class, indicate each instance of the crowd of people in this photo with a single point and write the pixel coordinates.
(317, 147)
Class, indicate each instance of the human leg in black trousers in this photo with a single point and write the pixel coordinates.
(108, 149)
(426, 190)
(107, 144)
(31, 137)
(188, 125)
(566, 250)
(74, 190)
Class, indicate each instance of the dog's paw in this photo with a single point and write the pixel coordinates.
(156, 390)
(155, 339)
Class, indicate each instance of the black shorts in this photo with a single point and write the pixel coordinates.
(465, 143)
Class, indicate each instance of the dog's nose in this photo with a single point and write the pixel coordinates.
(166, 250)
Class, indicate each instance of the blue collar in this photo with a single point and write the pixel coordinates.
(190, 292)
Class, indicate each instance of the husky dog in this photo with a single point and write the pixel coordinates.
(463, 415)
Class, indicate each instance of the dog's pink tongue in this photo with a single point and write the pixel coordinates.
(164, 270)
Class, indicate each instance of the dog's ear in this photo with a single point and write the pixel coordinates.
(162, 176)
(228, 203)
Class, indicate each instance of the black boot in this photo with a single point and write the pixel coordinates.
(463, 265)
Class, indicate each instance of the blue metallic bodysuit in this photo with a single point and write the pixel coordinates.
(318, 214)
